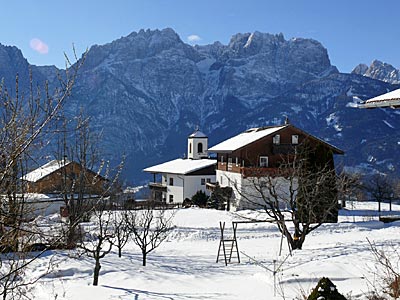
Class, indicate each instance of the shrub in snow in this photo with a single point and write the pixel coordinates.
(200, 199)
(325, 290)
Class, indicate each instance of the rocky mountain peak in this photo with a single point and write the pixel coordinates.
(13, 62)
(379, 70)
(138, 45)
(360, 69)
(253, 43)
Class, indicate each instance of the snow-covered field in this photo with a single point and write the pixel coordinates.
(184, 267)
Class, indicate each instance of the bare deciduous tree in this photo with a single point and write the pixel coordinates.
(25, 120)
(79, 187)
(387, 271)
(381, 188)
(302, 192)
(149, 227)
(99, 241)
(121, 231)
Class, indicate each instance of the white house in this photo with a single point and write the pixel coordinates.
(183, 177)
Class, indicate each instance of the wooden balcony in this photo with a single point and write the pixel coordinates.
(263, 172)
(157, 186)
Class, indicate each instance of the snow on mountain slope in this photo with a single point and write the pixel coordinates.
(147, 91)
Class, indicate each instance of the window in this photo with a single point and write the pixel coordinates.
(203, 181)
(171, 181)
(221, 180)
(295, 139)
(276, 139)
(222, 159)
(208, 180)
(190, 147)
(237, 161)
(200, 148)
(230, 160)
(171, 198)
(264, 161)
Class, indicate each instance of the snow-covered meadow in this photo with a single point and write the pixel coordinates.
(184, 267)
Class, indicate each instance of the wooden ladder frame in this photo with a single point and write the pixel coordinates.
(228, 245)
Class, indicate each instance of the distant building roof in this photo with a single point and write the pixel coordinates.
(45, 170)
(181, 166)
(391, 99)
(245, 138)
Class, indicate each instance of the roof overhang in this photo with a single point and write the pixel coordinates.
(388, 100)
(181, 166)
(389, 103)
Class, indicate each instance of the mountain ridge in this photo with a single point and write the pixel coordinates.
(149, 90)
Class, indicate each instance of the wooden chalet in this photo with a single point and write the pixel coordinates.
(267, 148)
(265, 151)
(62, 175)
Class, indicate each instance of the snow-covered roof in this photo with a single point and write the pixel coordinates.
(197, 134)
(45, 170)
(391, 99)
(181, 166)
(254, 134)
(245, 138)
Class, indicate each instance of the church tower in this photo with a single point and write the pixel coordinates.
(197, 145)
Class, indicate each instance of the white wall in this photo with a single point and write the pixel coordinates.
(176, 190)
(245, 195)
(193, 185)
(185, 186)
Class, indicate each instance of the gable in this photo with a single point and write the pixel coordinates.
(256, 136)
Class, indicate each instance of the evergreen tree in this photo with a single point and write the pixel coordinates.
(325, 290)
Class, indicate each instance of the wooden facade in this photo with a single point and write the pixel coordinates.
(266, 155)
(71, 178)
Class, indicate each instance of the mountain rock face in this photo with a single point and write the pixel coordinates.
(146, 93)
(13, 63)
(380, 71)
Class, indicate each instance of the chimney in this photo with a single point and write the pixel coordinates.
(287, 120)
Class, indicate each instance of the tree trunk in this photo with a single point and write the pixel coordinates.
(96, 273)
(379, 207)
(296, 242)
(144, 258)
(296, 245)
(119, 252)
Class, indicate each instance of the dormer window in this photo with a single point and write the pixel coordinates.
(190, 148)
(295, 139)
(276, 139)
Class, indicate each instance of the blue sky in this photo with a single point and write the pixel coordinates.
(353, 31)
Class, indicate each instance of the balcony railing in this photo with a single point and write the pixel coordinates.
(157, 186)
